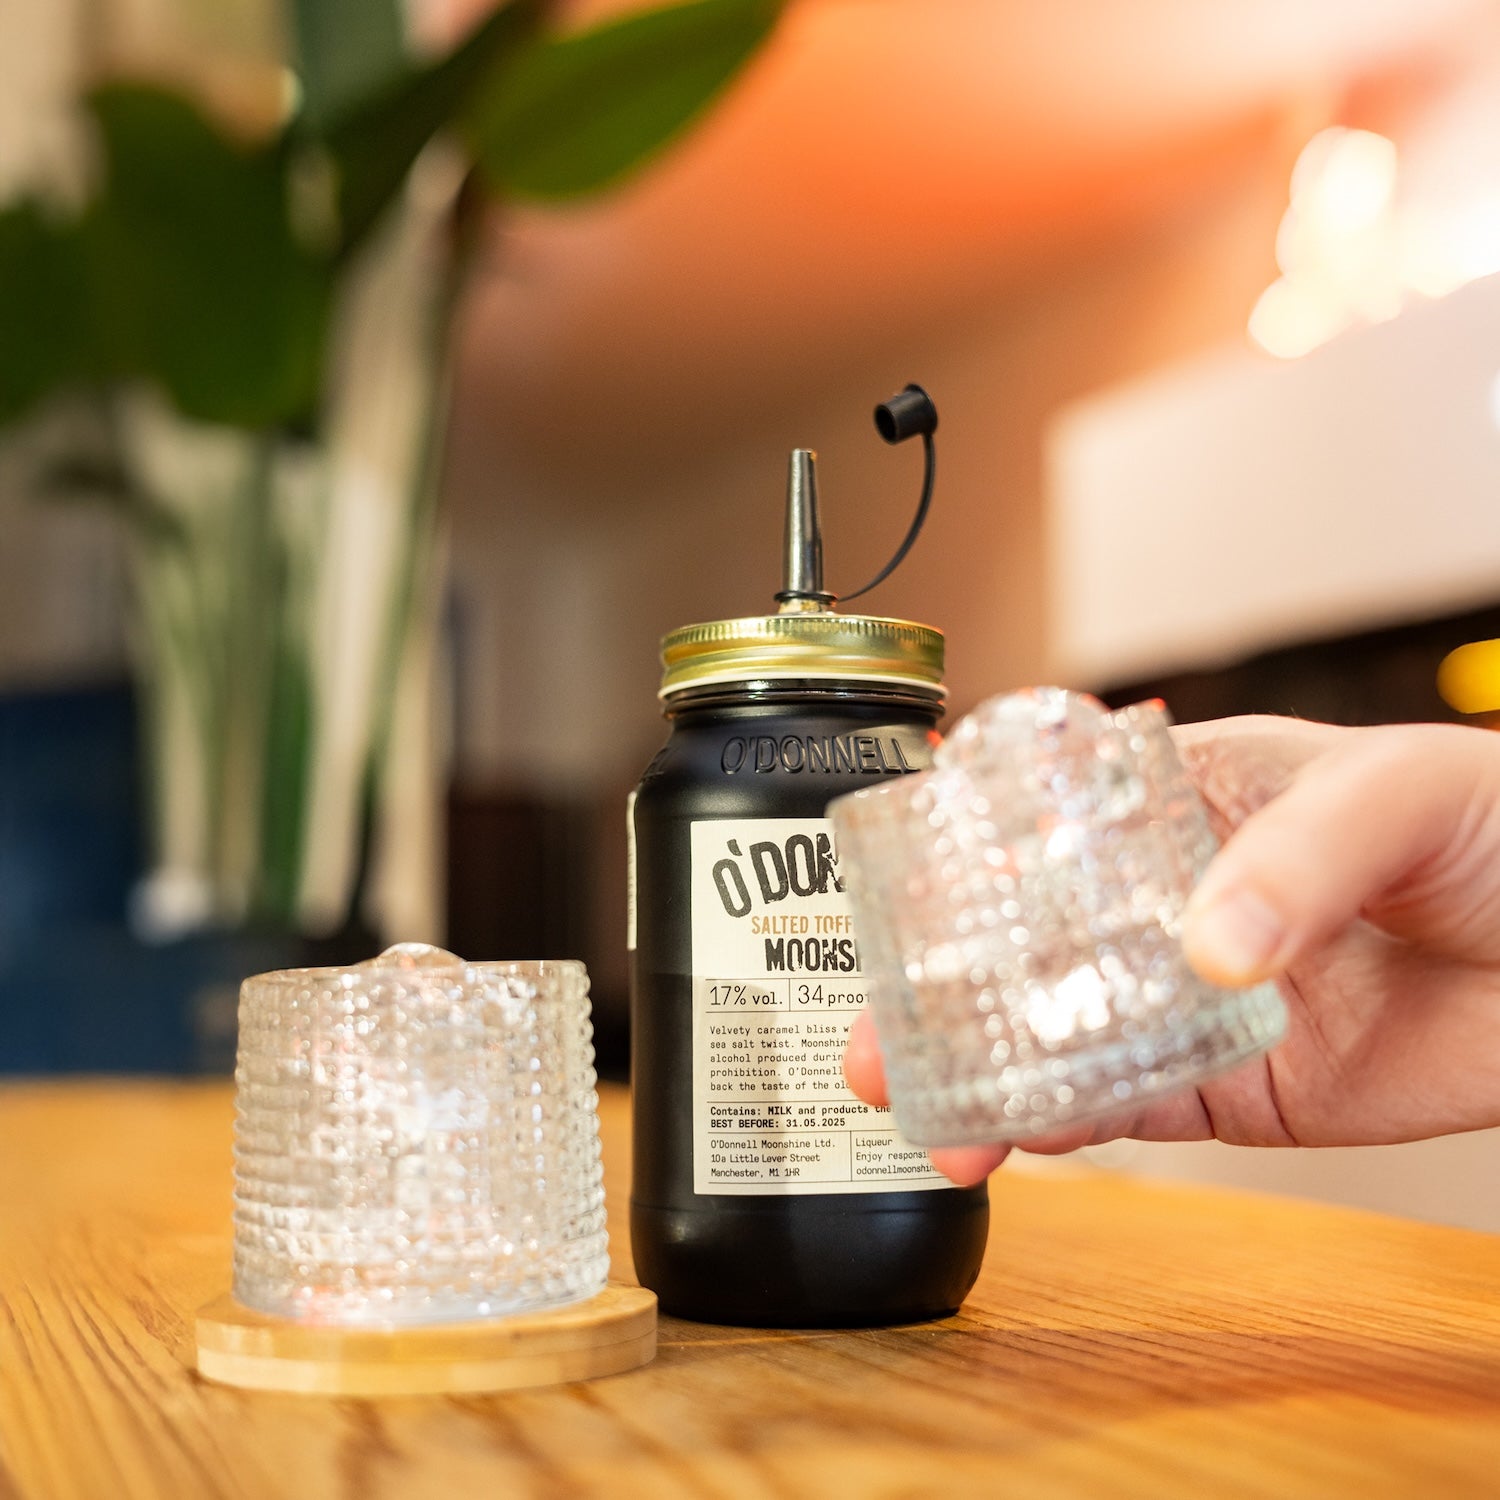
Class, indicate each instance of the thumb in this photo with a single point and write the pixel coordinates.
(1388, 809)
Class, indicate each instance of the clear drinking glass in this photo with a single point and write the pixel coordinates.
(417, 1141)
(1019, 906)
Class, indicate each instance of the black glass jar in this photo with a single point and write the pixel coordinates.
(764, 1192)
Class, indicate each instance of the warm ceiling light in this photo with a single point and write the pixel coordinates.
(1351, 253)
(1337, 245)
(1294, 315)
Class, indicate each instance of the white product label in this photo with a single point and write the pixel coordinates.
(776, 987)
(630, 873)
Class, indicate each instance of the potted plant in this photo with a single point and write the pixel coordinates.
(260, 327)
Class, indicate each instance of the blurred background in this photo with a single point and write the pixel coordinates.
(1207, 297)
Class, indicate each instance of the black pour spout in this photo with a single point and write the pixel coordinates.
(907, 414)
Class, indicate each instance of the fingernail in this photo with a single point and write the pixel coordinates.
(1232, 936)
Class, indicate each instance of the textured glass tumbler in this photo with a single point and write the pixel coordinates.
(1018, 908)
(417, 1141)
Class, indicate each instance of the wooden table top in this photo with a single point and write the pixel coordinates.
(1124, 1339)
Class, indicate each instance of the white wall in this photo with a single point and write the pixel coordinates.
(1239, 502)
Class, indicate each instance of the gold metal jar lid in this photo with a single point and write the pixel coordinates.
(802, 645)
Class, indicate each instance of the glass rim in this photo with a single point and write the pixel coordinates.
(1150, 715)
(466, 971)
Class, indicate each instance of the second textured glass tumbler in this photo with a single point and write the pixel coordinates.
(1018, 908)
(417, 1141)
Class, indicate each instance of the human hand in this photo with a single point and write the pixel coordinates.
(1361, 869)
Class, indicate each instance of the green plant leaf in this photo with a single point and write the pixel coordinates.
(577, 113)
(346, 50)
(197, 279)
(43, 324)
(374, 146)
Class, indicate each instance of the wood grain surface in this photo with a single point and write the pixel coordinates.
(1124, 1340)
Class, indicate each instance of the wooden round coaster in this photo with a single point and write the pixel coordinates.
(608, 1334)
